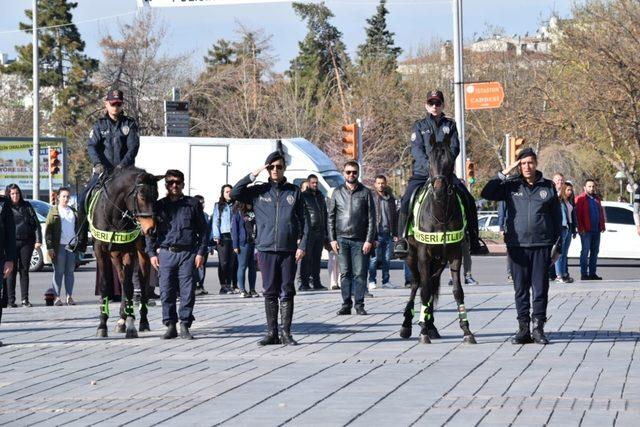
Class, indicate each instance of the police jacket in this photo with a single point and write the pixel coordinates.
(352, 214)
(316, 209)
(533, 215)
(425, 133)
(181, 226)
(114, 143)
(279, 211)
(27, 223)
(7, 231)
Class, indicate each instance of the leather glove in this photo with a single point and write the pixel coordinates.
(98, 168)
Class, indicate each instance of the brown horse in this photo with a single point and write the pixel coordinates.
(437, 239)
(120, 215)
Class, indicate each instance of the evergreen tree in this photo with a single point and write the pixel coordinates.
(221, 53)
(322, 47)
(63, 65)
(379, 46)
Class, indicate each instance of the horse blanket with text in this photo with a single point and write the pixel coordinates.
(437, 237)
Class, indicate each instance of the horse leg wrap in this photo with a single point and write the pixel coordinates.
(104, 308)
(128, 309)
(426, 313)
(462, 313)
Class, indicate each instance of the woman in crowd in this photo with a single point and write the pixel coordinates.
(61, 229)
(569, 230)
(28, 236)
(221, 235)
(243, 236)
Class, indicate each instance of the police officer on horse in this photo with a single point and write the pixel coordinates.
(435, 128)
(113, 144)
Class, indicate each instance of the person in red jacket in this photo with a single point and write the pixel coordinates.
(590, 224)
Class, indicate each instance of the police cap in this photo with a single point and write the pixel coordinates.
(276, 155)
(115, 96)
(435, 94)
(527, 152)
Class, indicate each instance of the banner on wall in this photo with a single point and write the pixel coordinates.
(16, 162)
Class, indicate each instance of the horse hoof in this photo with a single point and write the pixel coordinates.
(424, 339)
(433, 333)
(405, 332)
(131, 333)
(144, 326)
(469, 339)
(101, 333)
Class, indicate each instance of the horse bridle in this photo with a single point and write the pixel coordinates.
(133, 216)
(449, 193)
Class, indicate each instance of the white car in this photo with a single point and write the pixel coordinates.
(620, 238)
(40, 256)
(488, 221)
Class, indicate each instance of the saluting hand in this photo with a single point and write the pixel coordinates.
(199, 261)
(155, 263)
(511, 167)
(260, 169)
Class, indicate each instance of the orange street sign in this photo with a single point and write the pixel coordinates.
(479, 96)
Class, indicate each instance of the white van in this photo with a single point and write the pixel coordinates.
(209, 163)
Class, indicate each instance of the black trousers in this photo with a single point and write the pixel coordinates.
(310, 263)
(278, 270)
(3, 291)
(529, 269)
(227, 261)
(24, 250)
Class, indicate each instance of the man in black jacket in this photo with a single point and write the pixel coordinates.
(113, 145)
(176, 250)
(281, 241)
(7, 248)
(352, 232)
(316, 209)
(532, 227)
(435, 128)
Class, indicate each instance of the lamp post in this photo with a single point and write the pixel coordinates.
(620, 177)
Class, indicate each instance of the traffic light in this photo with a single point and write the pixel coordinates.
(515, 147)
(54, 162)
(350, 140)
(471, 172)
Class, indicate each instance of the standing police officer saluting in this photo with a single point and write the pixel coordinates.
(435, 128)
(532, 225)
(113, 145)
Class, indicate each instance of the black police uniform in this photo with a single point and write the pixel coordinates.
(532, 226)
(425, 134)
(181, 234)
(112, 144)
(7, 245)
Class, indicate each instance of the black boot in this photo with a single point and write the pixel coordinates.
(400, 247)
(271, 310)
(171, 332)
(286, 311)
(538, 332)
(184, 332)
(523, 335)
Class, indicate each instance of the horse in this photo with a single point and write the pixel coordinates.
(436, 241)
(120, 215)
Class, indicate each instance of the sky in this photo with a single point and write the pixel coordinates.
(192, 30)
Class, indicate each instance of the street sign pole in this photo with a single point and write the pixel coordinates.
(360, 163)
(507, 150)
(36, 105)
(458, 85)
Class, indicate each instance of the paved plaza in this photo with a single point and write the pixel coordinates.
(347, 370)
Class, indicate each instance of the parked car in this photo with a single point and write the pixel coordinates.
(40, 256)
(488, 221)
(620, 239)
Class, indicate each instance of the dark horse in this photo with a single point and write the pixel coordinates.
(436, 242)
(120, 215)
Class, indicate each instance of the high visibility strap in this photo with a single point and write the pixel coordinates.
(438, 237)
(118, 237)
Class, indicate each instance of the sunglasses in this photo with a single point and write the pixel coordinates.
(115, 104)
(272, 167)
(351, 172)
(435, 103)
(173, 182)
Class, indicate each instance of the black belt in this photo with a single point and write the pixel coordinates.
(177, 248)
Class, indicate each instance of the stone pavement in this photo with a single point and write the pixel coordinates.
(348, 370)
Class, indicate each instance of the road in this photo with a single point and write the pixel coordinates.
(347, 370)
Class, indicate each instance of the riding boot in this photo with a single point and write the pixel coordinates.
(538, 332)
(523, 335)
(271, 310)
(286, 311)
(400, 247)
(79, 244)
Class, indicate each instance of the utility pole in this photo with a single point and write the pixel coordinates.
(36, 105)
(458, 85)
(360, 159)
